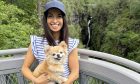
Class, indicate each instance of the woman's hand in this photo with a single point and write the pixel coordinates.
(42, 79)
(67, 82)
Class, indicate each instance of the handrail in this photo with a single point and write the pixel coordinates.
(109, 68)
(13, 51)
(109, 57)
(108, 72)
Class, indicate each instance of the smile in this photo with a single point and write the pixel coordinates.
(54, 25)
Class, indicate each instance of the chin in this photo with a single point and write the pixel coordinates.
(56, 30)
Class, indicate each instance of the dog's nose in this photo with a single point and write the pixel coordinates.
(58, 55)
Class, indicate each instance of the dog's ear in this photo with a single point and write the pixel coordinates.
(63, 44)
(46, 48)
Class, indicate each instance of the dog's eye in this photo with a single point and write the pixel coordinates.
(61, 52)
(53, 54)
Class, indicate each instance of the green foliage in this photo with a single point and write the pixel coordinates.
(74, 29)
(74, 33)
(122, 35)
(30, 11)
(134, 8)
(115, 28)
(9, 13)
(14, 33)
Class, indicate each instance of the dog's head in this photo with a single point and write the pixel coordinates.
(56, 54)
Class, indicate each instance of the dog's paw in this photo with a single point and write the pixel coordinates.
(51, 82)
(59, 82)
(62, 80)
(65, 79)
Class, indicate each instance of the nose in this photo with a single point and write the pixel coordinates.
(58, 55)
(54, 19)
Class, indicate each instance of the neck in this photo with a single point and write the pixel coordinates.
(56, 35)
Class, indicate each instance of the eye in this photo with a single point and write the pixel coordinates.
(61, 52)
(60, 16)
(50, 16)
(53, 54)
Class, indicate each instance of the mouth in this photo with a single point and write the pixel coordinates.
(58, 59)
(55, 25)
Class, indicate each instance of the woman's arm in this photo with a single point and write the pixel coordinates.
(29, 59)
(74, 66)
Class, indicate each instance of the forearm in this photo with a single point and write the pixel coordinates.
(73, 66)
(72, 77)
(28, 74)
(28, 61)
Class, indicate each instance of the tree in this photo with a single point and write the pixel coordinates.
(14, 33)
(115, 28)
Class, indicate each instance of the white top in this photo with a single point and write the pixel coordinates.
(38, 49)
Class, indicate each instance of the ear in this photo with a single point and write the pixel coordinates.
(63, 44)
(46, 48)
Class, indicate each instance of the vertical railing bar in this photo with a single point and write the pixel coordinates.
(20, 78)
(2, 79)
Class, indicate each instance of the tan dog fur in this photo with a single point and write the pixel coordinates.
(53, 67)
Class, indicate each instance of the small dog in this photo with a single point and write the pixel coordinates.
(53, 64)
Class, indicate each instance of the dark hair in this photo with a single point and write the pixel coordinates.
(48, 35)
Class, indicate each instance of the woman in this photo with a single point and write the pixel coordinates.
(55, 31)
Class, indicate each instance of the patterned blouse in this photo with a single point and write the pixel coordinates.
(38, 49)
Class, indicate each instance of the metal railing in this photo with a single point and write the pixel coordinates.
(110, 68)
(95, 68)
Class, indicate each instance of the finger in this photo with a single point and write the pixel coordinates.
(45, 74)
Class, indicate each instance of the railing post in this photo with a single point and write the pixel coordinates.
(20, 78)
(82, 78)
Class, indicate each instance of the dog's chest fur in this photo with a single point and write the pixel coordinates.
(53, 68)
(56, 68)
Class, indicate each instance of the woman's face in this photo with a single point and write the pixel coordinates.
(55, 20)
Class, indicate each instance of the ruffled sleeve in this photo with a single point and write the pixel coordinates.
(33, 44)
(73, 43)
(37, 44)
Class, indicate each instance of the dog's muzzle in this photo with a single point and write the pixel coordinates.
(58, 57)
